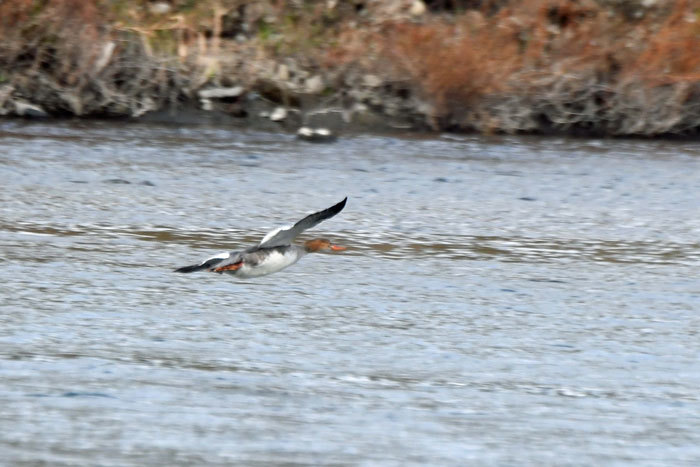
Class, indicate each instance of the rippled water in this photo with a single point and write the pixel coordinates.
(503, 301)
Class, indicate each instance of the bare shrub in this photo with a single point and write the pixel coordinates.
(454, 65)
(66, 56)
(543, 65)
(486, 65)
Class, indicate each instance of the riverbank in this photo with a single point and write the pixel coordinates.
(573, 67)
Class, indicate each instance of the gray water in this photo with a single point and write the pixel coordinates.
(503, 301)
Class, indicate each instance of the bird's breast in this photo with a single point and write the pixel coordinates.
(262, 263)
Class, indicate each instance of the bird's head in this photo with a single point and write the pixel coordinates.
(318, 244)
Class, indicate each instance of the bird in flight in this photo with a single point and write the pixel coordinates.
(274, 252)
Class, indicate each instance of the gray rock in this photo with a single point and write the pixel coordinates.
(314, 85)
(25, 109)
(144, 106)
(372, 81)
(418, 8)
(360, 107)
(283, 72)
(316, 135)
(76, 103)
(279, 114)
(221, 93)
(159, 8)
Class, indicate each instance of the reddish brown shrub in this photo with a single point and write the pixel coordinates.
(672, 51)
(566, 62)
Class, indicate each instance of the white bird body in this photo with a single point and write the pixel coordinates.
(274, 261)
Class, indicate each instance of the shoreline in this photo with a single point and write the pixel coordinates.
(193, 118)
(555, 69)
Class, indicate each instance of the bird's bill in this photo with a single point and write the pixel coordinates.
(338, 248)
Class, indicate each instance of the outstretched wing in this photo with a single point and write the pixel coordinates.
(285, 235)
(206, 264)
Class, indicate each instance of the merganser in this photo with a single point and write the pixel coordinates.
(274, 252)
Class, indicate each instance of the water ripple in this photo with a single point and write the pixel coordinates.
(392, 245)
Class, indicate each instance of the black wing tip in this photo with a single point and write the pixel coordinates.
(333, 210)
(341, 205)
(201, 266)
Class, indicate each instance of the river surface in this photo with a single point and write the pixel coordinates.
(503, 301)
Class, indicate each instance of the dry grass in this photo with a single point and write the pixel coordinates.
(67, 56)
(519, 65)
(453, 62)
(550, 64)
(671, 54)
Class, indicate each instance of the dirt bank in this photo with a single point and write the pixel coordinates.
(601, 67)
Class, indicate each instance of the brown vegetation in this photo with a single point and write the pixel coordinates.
(499, 65)
(69, 56)
(553, 65)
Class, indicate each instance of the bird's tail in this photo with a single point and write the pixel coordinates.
(192, 268)
(201, 266)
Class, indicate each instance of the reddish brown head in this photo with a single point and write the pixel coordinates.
(318, 244)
